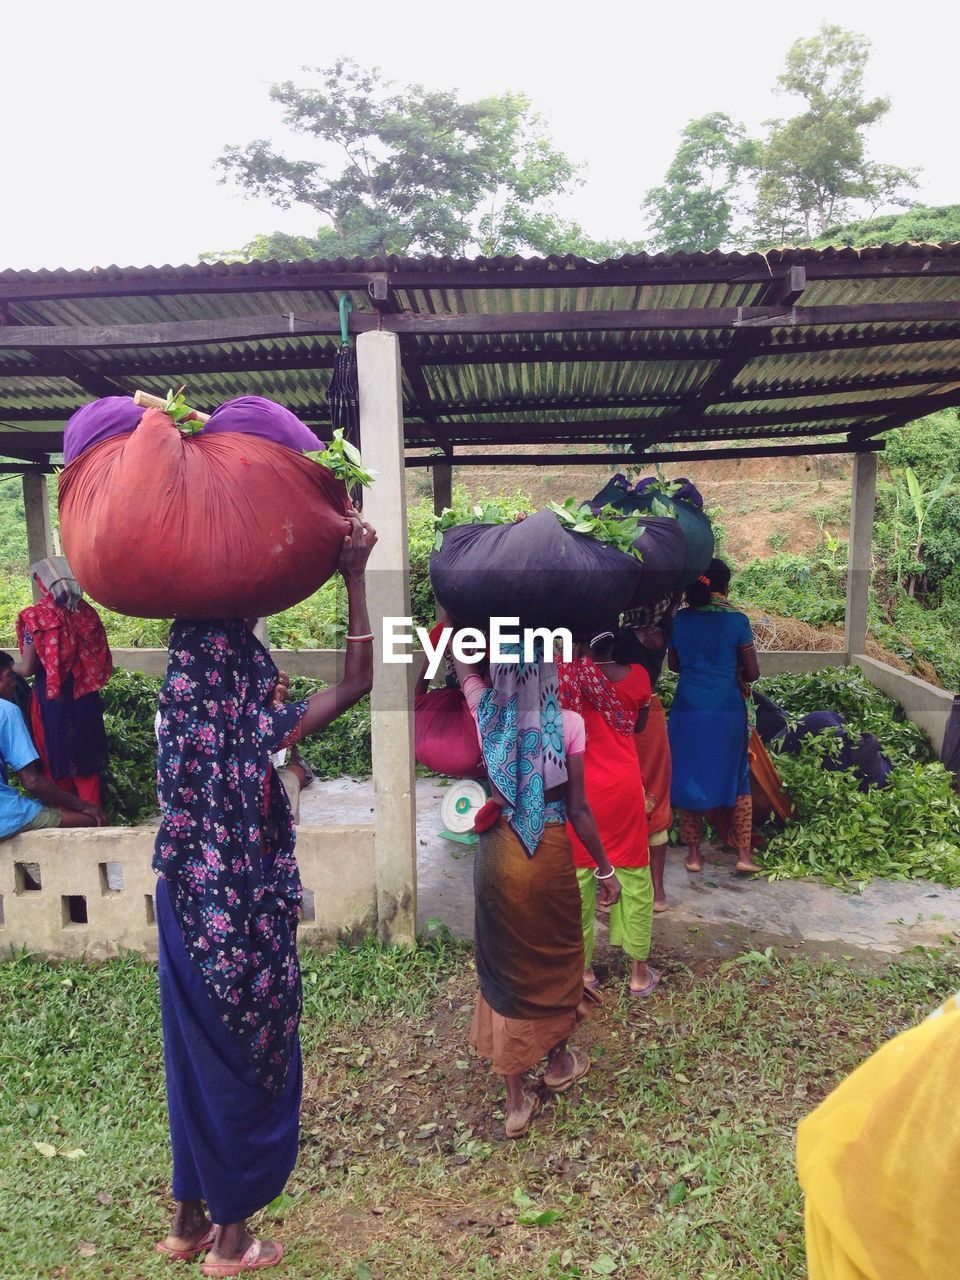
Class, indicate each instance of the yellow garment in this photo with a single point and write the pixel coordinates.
(879, 1161)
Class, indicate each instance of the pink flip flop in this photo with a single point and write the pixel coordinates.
(251, 1261)
(184, 1255)
(649, 989)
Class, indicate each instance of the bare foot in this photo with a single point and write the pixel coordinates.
(644, 979)
(190, 1226)
(234, 1240)
(747, 866)
(565, 1069)
(518, 1118)
(694, 861)
(660, 905)
(590, 980)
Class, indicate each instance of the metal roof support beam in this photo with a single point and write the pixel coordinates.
(65, 364)
(745, 346)
(27, 444)
(655, 455)
(386, 303)
(613, 440)
(862, 510)
(686, 349)
(251, 278)
(738, 395)
(506, 432)
(187, 332)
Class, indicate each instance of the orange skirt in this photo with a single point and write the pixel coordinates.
(529, 947)
(653, 752)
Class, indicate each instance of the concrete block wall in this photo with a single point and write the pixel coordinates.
(96, 888)
(775, 662)
(923, 703)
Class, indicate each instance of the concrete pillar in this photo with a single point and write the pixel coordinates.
(262, 632)
(862, 507)
(388, 592)
(442, 485)
(36, 506)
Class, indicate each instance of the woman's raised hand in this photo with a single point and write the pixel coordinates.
(608, 892)
(360, 540)
(281, 689)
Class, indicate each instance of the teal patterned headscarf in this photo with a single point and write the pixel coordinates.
(521, 728)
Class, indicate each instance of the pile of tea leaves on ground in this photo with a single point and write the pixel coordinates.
(906, 830)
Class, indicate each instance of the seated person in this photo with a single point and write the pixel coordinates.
(53, 807)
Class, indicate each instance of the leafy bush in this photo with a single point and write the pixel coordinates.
(129, 709)
(421, 536)
(130, 779)
(343, 749)
(809, 589)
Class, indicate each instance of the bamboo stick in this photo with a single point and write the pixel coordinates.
(150, 401)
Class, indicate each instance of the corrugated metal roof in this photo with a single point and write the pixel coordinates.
(702, 371)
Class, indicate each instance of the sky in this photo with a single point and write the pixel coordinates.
(113, 114)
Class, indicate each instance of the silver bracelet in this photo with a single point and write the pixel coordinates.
(597, 876)
(357, 639)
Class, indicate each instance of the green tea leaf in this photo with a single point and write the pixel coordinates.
(544, 1219)
(677, 1194)
(343, 459)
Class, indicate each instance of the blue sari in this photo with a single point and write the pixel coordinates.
(227, 910)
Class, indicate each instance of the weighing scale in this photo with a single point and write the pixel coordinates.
(461, 800)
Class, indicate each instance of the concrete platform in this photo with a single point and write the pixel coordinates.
(888, 916)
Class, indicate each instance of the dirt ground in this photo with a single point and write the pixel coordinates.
(767, 504)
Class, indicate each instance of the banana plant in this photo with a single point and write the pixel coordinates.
(922, 502)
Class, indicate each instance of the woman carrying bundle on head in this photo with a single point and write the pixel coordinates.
(529, 945)
(227, 905)
(713, 651)
(613, 698)
(64, 647)
(643, 641)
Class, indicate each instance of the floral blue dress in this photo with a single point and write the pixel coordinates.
(227, 910)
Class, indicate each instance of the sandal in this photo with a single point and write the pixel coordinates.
(185, 1255)
(517, 1129)
(591, 986)
(648, 990)
(581, 1065)
(252, 1260)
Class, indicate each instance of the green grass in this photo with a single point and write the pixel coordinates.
(674, 1160)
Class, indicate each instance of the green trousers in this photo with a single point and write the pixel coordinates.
(631, 917)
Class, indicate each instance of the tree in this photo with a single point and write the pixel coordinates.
(409, 170)
(693, 209)
(809, 172)
(814, 167)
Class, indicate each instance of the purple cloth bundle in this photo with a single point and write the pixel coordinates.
(247, 415)
(98, 421)
(255, 416)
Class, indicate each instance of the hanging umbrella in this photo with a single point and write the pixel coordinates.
(343, 395)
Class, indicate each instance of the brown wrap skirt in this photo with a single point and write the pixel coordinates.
(529, 947)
